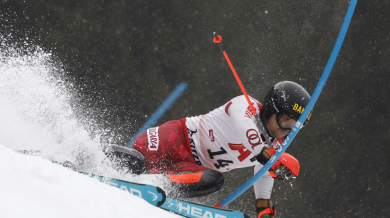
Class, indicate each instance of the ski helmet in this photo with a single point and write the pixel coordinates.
(286, 97)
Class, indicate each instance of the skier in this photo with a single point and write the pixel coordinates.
(193, 152)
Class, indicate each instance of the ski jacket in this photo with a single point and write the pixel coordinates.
(228, 138)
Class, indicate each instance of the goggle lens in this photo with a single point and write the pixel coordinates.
(285, 122)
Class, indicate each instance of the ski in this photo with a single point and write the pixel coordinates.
(152, 194)
(180, 207)
(193, 210)
(156, 196)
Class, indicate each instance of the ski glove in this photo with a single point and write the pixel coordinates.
(282, 173)
(264, 208)
(264, 155)
(285, 168)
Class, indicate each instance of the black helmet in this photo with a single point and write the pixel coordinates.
(286, 97)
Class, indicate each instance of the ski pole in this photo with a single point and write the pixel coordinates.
(305, 113)
(160, 111)
(217, 39)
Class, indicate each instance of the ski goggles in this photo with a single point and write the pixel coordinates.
(285, 122)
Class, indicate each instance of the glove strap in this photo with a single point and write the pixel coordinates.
(270, 211)
(266, 207)
(264, 155)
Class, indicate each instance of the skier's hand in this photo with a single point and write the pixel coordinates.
(282, 173)
(285, 167)
(264, 208)
(264, 155)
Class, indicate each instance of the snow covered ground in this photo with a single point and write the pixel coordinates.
(35, 114)
(31, 187)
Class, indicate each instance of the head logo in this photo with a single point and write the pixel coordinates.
(194, 211)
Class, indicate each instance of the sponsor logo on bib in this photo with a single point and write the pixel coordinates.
(153, 139)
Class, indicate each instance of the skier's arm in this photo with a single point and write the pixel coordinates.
(263, 188)
(246, 130)
(286, 167)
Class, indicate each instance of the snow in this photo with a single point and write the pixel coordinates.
(31, 186)
(35, 114)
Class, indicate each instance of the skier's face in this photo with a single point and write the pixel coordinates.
(274, 129)
(285, 122)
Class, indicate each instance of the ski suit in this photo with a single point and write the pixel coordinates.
(221, 140)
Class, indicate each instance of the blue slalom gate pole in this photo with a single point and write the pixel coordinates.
(160, 111)
(305, 113)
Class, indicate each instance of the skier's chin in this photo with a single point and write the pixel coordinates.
(280, 133)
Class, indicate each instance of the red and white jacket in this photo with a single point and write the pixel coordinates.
(228, 138)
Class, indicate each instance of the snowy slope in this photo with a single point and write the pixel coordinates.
(34, 187)
(36, 113)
